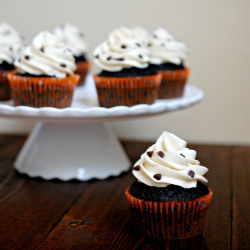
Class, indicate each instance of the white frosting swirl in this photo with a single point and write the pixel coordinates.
(141, 34)
(170, 163)
(11, 43)
(164, 48)
(73, 38)
(121, 50)
(46, 56)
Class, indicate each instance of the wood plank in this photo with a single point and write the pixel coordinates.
(241, 198)
(218, 225)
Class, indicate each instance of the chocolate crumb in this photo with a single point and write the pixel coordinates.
(149, 44)
(182, 155)
(97, 56)
(191, 173)
(136, 168)
(120, 59)
(63, 65)
(138, 44)
(42, 49)
(11, 48)
(140, 56)
(157, 176)
(109, 58)
(149, 153)
(123, 46)
(27, 57)
(161, 154)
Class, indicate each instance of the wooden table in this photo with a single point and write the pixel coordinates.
(38, 214)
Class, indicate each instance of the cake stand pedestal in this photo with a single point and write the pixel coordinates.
(67, 151)
(76, 142)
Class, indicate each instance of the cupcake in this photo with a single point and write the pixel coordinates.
(167, 56)
(11, 43)
(44, 75)
(76, 42)
(126, 78)
(169, 199)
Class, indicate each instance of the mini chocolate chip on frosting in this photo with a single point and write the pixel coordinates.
(165, 49)
(47, 55)
(122, 49)
(172, 163)
(11, 43)
(73, 38)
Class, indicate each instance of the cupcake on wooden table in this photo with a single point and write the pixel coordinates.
(126, 78)
(169, 199)
(44, 74)
(76, 42)
(11, 44)
(168, 56)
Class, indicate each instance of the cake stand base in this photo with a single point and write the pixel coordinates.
(68, 151)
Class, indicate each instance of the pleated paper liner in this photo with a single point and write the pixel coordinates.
(127, 91)
(169, 220)
(5, 91)
(82, 70)
(173, 83)
(42, 91)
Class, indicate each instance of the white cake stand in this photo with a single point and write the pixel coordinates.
(75, 142)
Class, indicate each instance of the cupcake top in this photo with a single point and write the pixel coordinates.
(122, 50)
(73, 38)
(169, 162)
(48, 56)
(11, 43)
(165, 49)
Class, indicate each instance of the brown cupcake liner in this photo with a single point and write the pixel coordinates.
(5, 90)
(173, 83)
(127, 91)
(42, 91)
(169, 220)
(82, 70)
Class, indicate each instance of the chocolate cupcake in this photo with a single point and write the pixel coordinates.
(11, 44)
(126, 78)
(44, 75)
(169, 199)
(75, 40)
(167, 57)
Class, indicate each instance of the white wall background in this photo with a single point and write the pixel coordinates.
(218, 38)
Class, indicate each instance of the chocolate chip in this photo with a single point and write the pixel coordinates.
(42, 49)
(140, 56)
(157, 176)
(161, 154)
(138, 44)
(136, 168)
(27, 57)
(191, 173)
(120, 59)
(149, 153)
(63, 65)
(109, 58)
(182, 155)
(123, 46)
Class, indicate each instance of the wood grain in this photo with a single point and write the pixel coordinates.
(38, 214)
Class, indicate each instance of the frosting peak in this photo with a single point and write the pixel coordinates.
(73, 38)
(47, 55)
(164, 48)
(11, 43)
(168, 162)
(121, 50)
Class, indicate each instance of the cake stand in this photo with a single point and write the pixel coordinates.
(76, 142)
